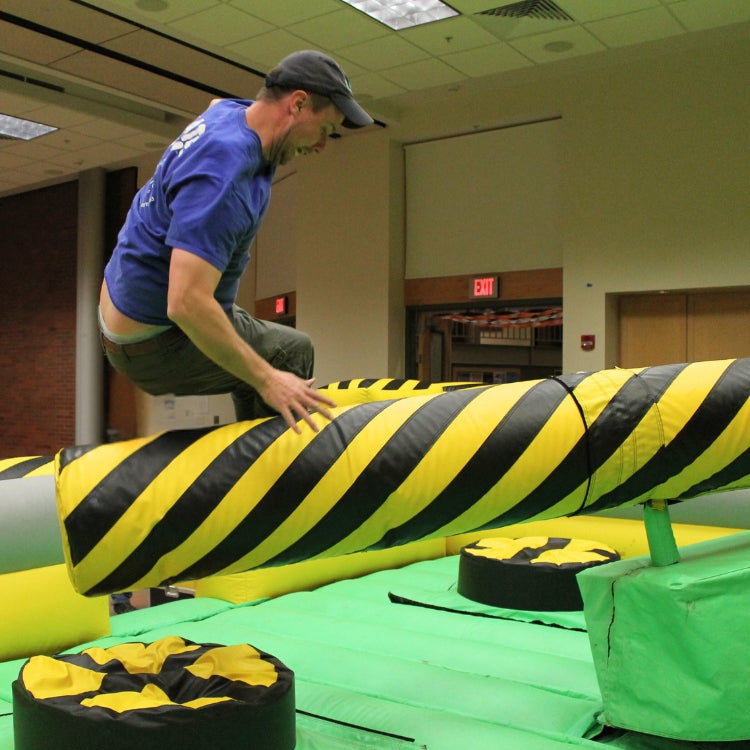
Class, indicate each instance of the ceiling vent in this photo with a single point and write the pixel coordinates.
(542, 9)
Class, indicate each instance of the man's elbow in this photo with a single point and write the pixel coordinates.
(178, 309)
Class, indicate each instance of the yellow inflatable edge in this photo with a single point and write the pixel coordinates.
(43, 614)
(626, 536)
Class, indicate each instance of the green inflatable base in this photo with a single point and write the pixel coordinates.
(670, 644)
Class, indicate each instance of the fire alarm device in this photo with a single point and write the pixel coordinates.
(282, 305)
(588, 342)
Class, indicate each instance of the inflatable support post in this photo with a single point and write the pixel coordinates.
(661, 541)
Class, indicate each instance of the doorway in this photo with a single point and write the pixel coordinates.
(672, 327)
(484, 345)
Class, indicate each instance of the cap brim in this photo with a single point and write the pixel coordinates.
(354, 115)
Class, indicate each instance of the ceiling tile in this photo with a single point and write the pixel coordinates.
(495, 58)
(39, 171)
(92, 157)
(11, 161)
(635, 28)
(15, 104)
(29, 45)
(342, 28)
(173, 11)
(138, 83)
(69, 140)
(373, 86)
(286, 12)
(105, 130)
(145, 142)
(387, 52)
(696, 15)
(77, 20)
(221, 25)
(533, 47)
(423, 74)
(451, 35)
(60, 117)
(584, 10)
(218, 73)
(264, 51)
(35, 149)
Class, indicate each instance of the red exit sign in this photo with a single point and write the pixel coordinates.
(282, 305)
(484, 287)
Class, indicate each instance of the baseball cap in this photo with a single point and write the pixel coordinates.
(319, 74)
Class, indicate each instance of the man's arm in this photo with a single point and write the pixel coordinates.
(192, 306)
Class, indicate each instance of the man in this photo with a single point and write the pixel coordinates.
(166, 309)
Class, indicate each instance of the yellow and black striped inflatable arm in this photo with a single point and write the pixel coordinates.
(189, 504)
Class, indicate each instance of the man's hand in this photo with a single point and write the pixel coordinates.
(193, 307)
(294, 398)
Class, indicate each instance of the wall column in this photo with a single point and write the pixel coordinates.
(89, 358)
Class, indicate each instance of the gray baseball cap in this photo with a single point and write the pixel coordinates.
(319, 74)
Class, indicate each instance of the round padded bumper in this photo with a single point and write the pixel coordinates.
(170, 693)
(532, 573)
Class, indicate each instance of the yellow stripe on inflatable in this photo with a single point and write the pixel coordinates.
(27, 466)
(387, 471)
(46, 678)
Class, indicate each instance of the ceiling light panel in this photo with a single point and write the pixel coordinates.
(403, 14)
(23, 130)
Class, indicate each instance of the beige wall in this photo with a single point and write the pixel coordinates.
(350, 258)
(655, 177)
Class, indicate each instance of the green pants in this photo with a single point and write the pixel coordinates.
(173, 364)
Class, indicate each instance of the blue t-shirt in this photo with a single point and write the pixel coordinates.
(208, 196)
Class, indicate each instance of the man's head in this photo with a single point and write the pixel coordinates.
(317, 73)
(312, 99)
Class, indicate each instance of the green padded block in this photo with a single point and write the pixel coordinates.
(670, 644)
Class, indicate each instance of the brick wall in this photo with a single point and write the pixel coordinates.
(38, 256)
(37, 320)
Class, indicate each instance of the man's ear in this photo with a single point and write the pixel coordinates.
(298, 99)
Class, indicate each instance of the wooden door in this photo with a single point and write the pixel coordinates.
(652, 329)
(659, 329)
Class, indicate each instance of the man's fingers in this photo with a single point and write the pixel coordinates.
(318, 396)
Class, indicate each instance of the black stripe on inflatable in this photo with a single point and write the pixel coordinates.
(531, 553)
(507, 442)
(720, 406)
(367, 382)
(73, 453)
(384, 474)
(24, 467)
(603, 437)
(288, 492)
(737, 469)
(98, 512)
(394, 384)
(192, 508)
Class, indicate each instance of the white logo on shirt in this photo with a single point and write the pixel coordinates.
(189, 136)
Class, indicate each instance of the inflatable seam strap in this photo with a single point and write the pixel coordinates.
(447, 459)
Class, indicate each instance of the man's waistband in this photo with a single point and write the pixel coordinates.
(147, 346)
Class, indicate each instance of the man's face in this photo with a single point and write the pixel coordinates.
(309, 132)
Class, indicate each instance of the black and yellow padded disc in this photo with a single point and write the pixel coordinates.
(532, 573)
(171, 693)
